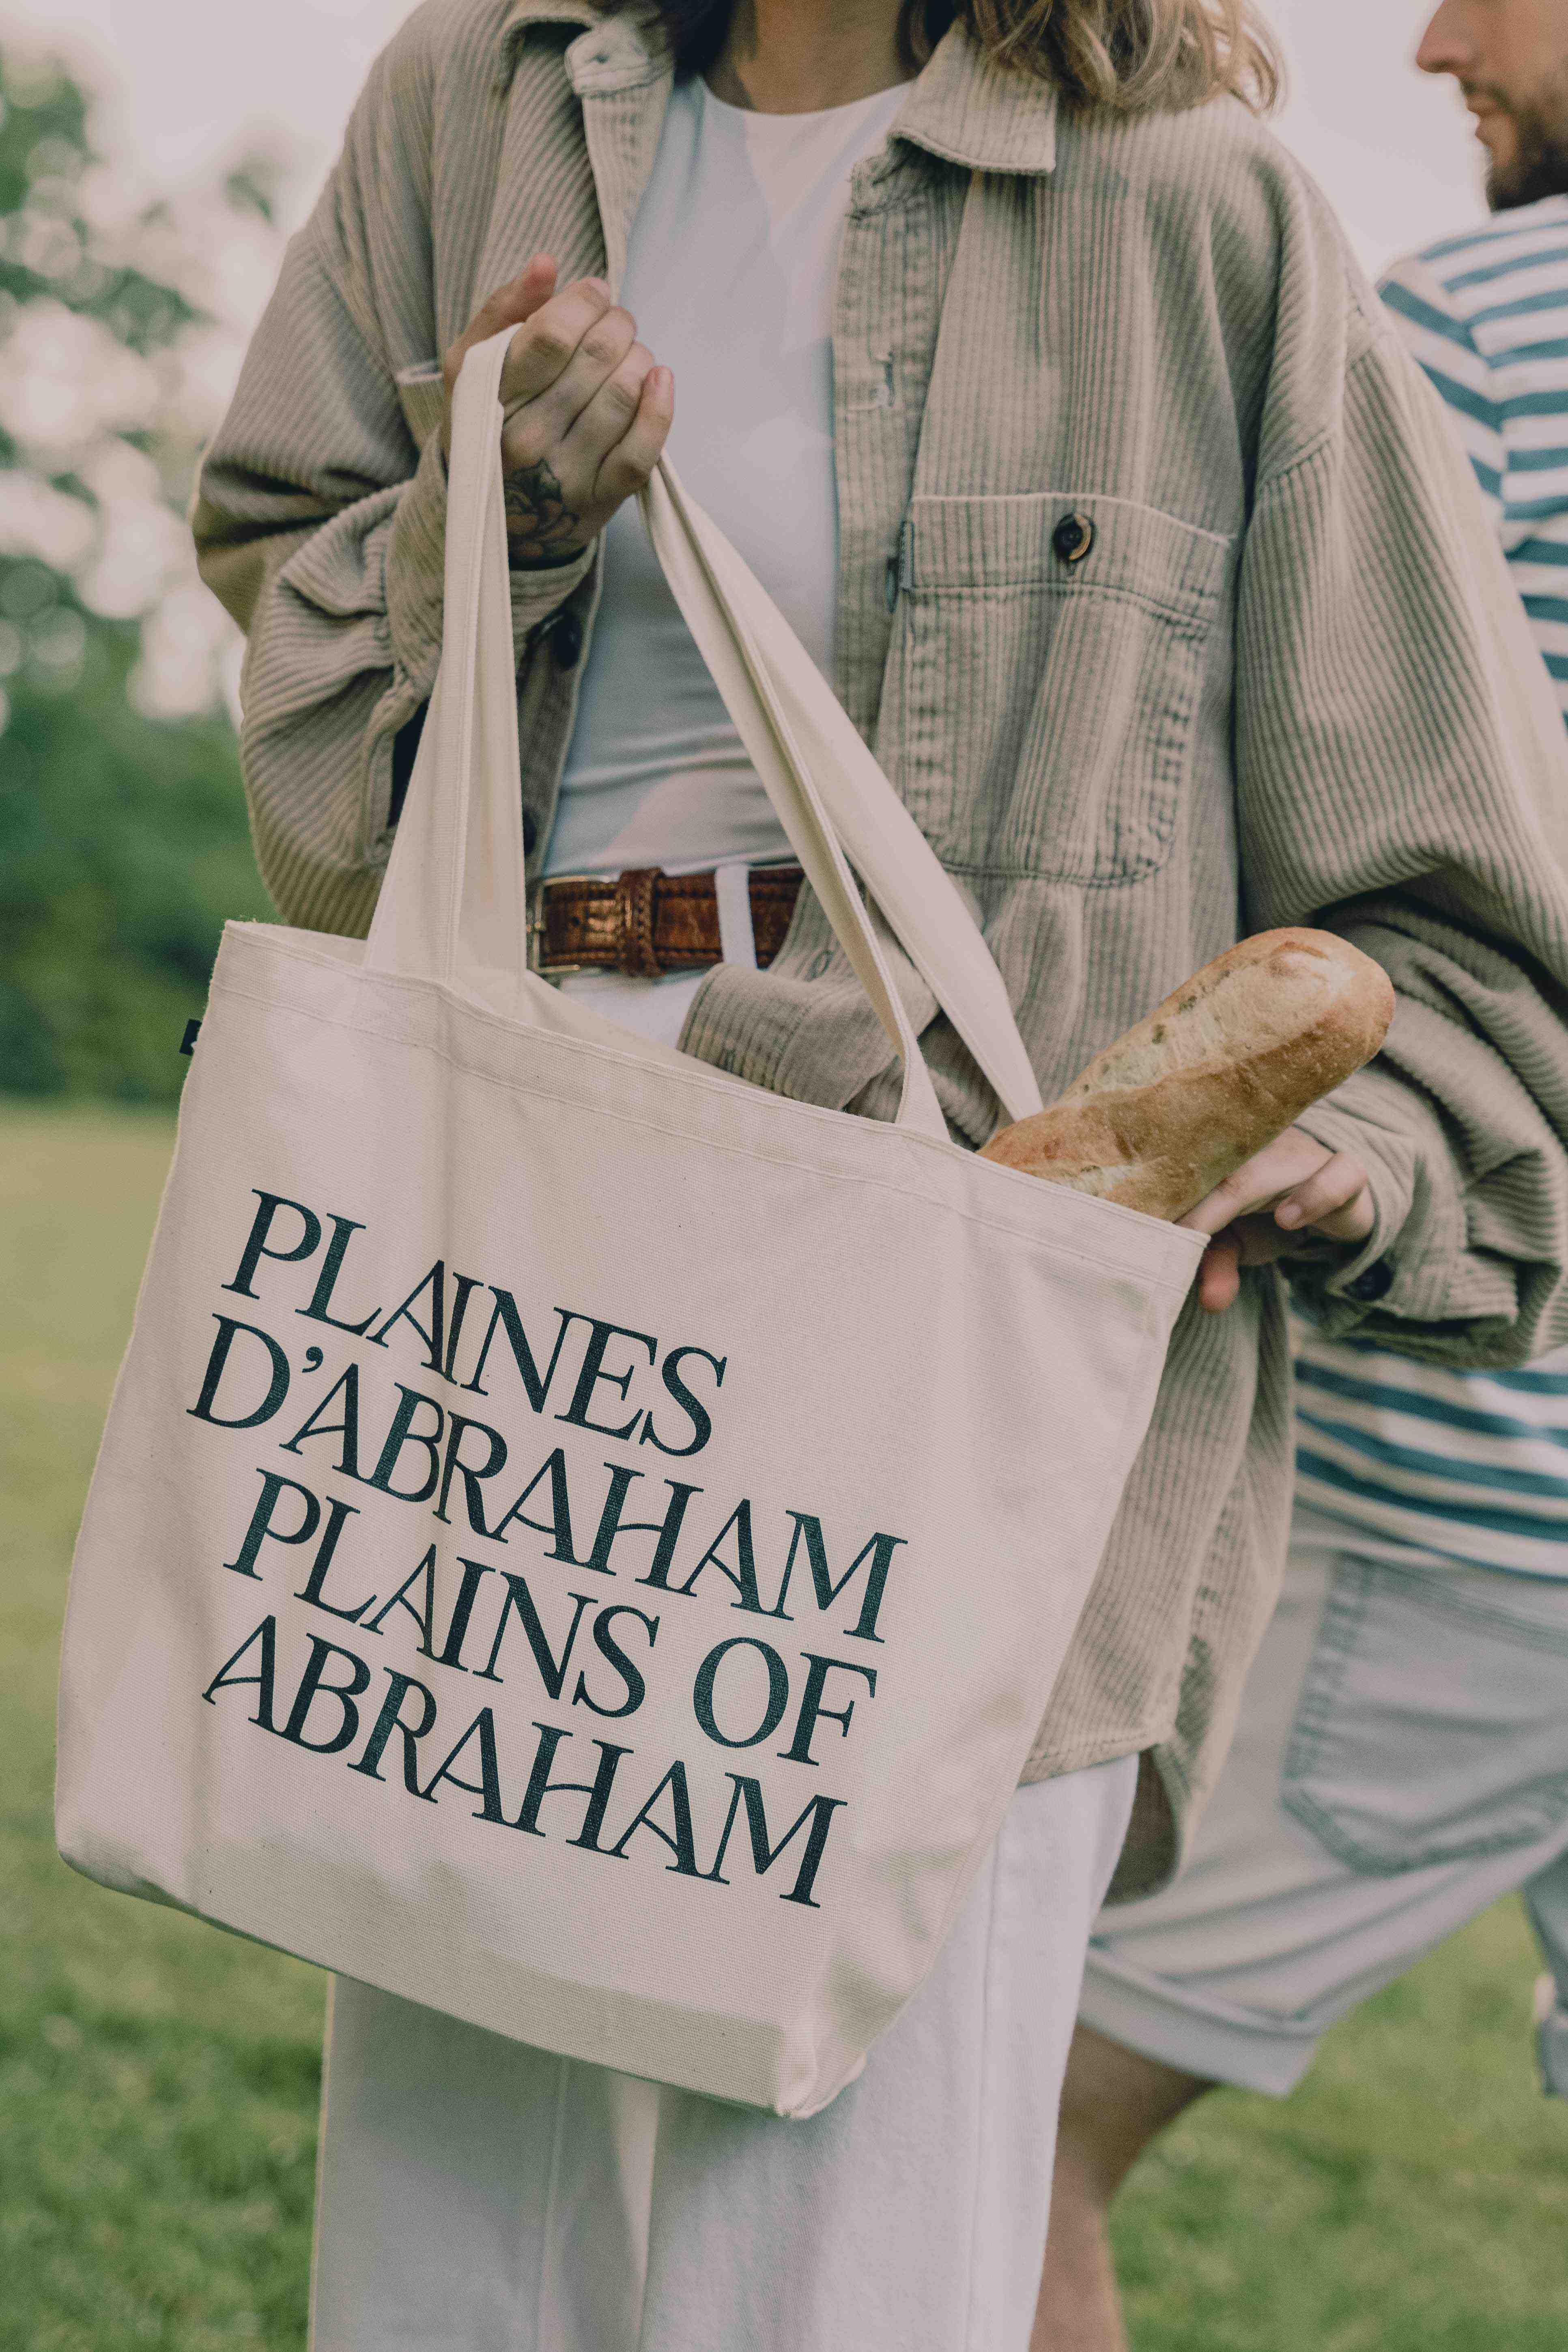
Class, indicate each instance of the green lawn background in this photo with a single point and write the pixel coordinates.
(158, 2079)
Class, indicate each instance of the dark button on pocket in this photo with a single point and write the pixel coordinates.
(567, 641)
(1073, 537)
(1374, 1284)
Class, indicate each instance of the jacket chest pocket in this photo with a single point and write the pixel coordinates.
(1045, 680)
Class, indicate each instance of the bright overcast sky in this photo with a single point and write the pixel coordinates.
(197, 75)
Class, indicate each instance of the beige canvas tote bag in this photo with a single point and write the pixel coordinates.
(579, 1541)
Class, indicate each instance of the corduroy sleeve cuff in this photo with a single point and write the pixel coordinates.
(537, 595)
(416, 577)
(416, 570)
(1411, 1269)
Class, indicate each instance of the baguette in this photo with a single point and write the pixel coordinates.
(1216, 1072)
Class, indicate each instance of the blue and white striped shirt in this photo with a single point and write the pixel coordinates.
(1434, 1466)
(1487, 316)
(1427, 1467)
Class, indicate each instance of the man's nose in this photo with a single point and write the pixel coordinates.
(1446, 47)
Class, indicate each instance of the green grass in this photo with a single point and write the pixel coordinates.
(158, 2079)
(1411, 2197)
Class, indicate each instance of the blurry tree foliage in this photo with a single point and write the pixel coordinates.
(123, 843)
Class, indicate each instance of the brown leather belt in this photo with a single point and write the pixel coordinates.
(647, 922)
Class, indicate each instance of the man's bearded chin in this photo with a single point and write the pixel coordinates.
(1539, 165)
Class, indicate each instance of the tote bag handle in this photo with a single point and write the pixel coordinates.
(452, 907)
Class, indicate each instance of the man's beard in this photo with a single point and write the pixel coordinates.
(1538, 166)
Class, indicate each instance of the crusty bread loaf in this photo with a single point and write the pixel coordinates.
(1223, 1066)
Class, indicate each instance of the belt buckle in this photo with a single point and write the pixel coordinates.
(534, 944)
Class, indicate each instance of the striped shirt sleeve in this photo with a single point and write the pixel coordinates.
(1443, 342)
(1486, 318)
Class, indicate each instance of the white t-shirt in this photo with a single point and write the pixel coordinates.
(730, 274)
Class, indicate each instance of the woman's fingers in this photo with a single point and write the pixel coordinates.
(563, 498)
(1291, 1160)
(586, 410)
(629, 464)
(542, 350)
(1290, 1194)
(509, 305)
(544, 423)
(1336, 1201)
(1291, 1171)
(605, 421)
(1219, 1277)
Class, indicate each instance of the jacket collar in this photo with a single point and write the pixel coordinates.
(610, 53)
(963, 106)
(967, 108)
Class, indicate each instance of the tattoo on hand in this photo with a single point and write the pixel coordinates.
(540, 527)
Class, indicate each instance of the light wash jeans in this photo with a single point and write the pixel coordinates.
(1401, 1763)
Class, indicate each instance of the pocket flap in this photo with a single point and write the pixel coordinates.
(954, 545)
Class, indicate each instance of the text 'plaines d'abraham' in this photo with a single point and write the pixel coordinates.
(561, 1633)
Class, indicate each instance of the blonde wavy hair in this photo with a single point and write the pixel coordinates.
(1135, 56)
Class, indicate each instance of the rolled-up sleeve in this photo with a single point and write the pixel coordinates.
(319, 523)
(1402, 779)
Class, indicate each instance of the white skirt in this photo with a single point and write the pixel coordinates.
(478, 2195)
